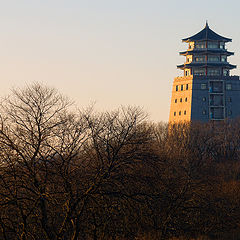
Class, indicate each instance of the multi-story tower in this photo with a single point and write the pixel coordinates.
(206, 91)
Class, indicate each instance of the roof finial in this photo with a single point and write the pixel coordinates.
(206, 24)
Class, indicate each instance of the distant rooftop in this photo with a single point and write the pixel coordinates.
(206, 34)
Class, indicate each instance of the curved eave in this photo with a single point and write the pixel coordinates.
(191, 39)
(190, 65)
(206, 34)
(191, 52)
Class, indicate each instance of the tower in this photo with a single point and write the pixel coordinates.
(206, 91)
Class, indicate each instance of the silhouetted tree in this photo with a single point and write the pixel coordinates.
(113, 175)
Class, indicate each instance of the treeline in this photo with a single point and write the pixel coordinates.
(71, 174)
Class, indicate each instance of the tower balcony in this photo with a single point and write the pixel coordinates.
(205, 48)
(216, 87)
(210, 78)
(216, 113)
(216, 100)
(215, 62)
(204, 51)
(206, 64)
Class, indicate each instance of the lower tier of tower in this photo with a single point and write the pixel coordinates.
(205, 98)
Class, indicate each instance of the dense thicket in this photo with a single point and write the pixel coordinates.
(113, 175)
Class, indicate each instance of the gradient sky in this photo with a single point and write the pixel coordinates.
(112, 52)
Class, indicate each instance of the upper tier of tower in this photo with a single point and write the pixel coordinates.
(206, 54)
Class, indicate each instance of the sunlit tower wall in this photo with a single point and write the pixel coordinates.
(206, 91)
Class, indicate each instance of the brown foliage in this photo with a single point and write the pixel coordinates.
(113, 175)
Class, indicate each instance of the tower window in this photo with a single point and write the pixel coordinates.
(180, 99)
(204, 112)
(204, 99)
(179, 113)
(185, 99)
(213, 58)
(199, 59)
(201, 45)
(187, 72)
(174, 113)
(212, 45)
(186, 86)
(189, 59)
(230, 99)
(225, 72)
(222, 45)
(213, 72)
(185, 112)
(199, 72)
(203, 86)
(191, 45)
(175, 100)
(181, 87)
(176, 87)
(228, 86)
(224, 58)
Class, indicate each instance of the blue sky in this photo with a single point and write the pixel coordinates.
(107, 51)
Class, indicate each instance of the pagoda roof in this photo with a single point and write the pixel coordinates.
(206, 34)
(206, 51)
(220, 64)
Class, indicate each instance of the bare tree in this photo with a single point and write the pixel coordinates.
(112, 175)
(35, 130)
(57, 166)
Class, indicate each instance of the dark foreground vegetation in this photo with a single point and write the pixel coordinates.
(113, 175)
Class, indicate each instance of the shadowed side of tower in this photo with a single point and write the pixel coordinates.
(206, 91)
